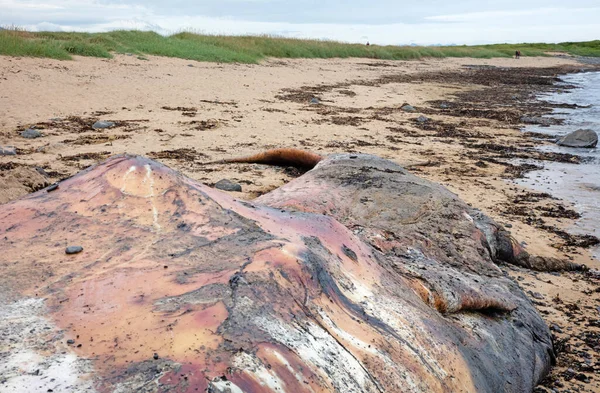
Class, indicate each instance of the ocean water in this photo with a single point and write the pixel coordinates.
(579, 184)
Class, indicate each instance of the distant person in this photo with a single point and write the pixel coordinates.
(518, 54)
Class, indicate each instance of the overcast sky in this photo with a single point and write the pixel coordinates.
(378, 21)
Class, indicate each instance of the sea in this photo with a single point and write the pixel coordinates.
(576, 183)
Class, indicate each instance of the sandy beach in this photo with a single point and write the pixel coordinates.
(464, 133)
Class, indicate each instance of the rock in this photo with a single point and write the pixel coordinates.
(536, 295)
(408, 108)
(579, 138)
(51, 188)
(542, 121)
(102, 124)
(556, 328)
(74, 250)
(31, 133)
(8, 151)
(443, 105)
(155, 356)
(422, 119)
(228, 185)
(71, 341)
(315, 101)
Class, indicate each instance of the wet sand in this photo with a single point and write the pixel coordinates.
(185, 114)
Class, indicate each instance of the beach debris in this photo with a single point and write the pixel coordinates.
(408, 108)
(74, 250)
(102, 124)
(580, 138)
(351, 296)
(228, 185)
(8, 151)
(31, 133)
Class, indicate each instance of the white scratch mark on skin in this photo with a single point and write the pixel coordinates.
(151, 196)
(298, 376)
(125, 176)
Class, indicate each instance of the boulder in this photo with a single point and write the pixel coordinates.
(579, 138)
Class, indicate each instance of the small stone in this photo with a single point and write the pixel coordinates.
(31, 133)
(190, 65)
(70, 341)
(536, 295)
(102, 124)
(8, 151)
(155, 356)
(508, 225)
(228, 185)
(51, 188)
(408, 108)
(556, 328)
(74, 250)
(315, 100)
(422, 119)
(443, 105)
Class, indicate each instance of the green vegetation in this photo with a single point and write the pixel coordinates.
(248, 49)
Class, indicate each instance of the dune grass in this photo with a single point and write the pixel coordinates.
(247, 49)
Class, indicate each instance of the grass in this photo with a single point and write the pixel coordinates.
(248, 49)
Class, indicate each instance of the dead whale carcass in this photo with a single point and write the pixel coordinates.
(356, 277)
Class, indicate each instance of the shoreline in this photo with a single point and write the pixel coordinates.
(186, 115)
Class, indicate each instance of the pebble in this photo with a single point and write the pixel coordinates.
(315, 100)
(443, 105)
(74, 250)
(155, 356)
(31, 133)
(53, 187)
(228, 185)
(102, 124)
(536, 295)
(71, 341)
(422, 119)
(8, 151)
(408, 108)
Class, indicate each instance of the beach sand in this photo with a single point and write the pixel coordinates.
(185, 114)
